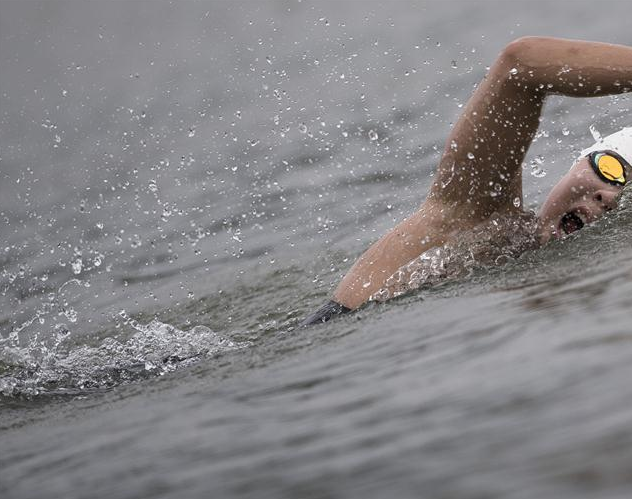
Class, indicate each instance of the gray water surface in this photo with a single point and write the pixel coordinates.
(182, 183)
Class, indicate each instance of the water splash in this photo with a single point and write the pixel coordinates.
(503, 238)
(57, 365)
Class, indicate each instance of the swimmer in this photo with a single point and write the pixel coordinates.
(479, 176)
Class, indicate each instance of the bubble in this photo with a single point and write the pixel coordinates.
(302, 128)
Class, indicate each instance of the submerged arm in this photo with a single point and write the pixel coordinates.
(480, 170)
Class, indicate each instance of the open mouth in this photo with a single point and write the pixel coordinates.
(571, 222)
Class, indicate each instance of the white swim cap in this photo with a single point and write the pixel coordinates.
(619, 142)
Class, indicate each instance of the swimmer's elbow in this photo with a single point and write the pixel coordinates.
(529, 52)
(516, 52)
(521, 59)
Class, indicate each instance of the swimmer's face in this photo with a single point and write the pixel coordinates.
(579, 198)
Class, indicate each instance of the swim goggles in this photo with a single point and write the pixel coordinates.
(609, 166)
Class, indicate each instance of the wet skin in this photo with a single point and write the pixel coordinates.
(486, 149)
(579, 198)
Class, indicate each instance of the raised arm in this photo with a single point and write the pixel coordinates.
(480, 170)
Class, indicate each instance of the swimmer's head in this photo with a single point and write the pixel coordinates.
(591, 187)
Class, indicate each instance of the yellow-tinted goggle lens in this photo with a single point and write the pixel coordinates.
(611, 168)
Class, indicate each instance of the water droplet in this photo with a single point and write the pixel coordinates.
(253, 142)
(453, 65)
(64, 93)
(470, 155)
(152, 185)
(565, 132)
(516, 202)
(595, 133)
(192, 131)
(190, 294)
(76, 265)
(135, 241)
(373, 135)
(71, 314)
(536, 171)
(513, 71)
(302, 128)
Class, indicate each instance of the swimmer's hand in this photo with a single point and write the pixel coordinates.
(324, 313)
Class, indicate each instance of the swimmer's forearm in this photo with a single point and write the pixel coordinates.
(571, 67)
(411, 237)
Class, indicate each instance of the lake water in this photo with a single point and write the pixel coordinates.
(181, 183)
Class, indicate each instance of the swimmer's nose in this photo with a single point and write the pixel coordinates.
(606, 199)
